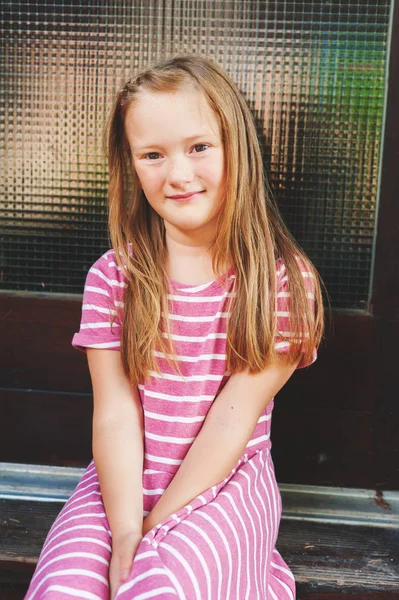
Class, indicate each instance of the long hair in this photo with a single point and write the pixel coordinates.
(250, 234)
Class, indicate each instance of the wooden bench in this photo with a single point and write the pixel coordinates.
(339, 542)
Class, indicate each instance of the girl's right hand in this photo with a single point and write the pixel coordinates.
(124, 547)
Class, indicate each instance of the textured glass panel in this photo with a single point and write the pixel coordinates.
(313, 73)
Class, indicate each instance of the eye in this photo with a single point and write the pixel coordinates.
(152, 155)
(201, 146)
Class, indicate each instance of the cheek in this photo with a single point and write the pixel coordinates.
(149, 179)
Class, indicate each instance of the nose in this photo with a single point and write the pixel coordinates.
(180, 171)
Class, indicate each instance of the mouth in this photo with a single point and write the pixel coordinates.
(185, 197)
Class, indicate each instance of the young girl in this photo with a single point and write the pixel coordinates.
(192, 323)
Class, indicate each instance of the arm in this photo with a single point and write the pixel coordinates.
(118, 446)
(225, 433)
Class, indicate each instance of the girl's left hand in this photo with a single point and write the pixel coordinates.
(124, 548)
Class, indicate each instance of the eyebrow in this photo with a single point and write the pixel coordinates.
(188, 139)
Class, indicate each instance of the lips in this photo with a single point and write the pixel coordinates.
(182, 197)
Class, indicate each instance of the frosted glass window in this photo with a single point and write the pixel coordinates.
(313, 73)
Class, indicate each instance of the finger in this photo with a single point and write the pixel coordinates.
(113, 581)
(124, 571)
(125, 563)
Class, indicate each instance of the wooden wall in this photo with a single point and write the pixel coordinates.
(334, 423)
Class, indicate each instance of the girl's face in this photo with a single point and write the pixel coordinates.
(177, 151)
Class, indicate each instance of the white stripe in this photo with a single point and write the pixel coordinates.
(256, 541)
(272, 593)
(100, 309)
(285, 586)
(108, 345)
(112, 263)
(243, 525)
(73, 592)
(280, 270)
(92, 493)
(151, 472)
(200, 299)
(81, 487)
(74, 540)
(169, 439)
(155, 592)
(190, 338)
(63, 572)
(267, 509)
(280, 568)
(129, 584)
(51, 538)
(99, 503)
(213, 550)
(86, 476)
(111, 282)
(290, 334)
(226, 545)
(199, 288)
(264, 539)
(163, 460)
(258, 440)
(173, 419)
(220, 509)
(265, 418)
(205, 319)
(143, 555)
(275, 495)
(104, 325)
(244, 505)
(188, 377)
(185, 564)
(282, 345)
(198, 555)
(96, 290)
(72, 555)
(82, 516)
(183, 358)
(153, 492)
(161, 396)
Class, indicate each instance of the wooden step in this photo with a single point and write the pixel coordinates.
(329, 560)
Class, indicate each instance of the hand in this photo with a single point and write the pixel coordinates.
(149, 523)
(146, 525)
(124, 547)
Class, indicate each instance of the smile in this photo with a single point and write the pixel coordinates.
(185, 197)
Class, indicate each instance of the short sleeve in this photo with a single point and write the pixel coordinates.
(281, 340)
(100, 326)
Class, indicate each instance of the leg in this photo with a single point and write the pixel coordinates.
(74, 561)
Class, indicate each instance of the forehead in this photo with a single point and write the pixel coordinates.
(157, 117)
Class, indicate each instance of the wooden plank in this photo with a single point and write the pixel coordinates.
(323, 447)
(42, 427)
(36, 349)
(310, 445)
(327, 560)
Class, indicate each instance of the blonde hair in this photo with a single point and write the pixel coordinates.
(250, 234)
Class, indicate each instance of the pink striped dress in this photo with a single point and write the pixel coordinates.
(222, 544)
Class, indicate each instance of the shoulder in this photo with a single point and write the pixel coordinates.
(304, 267)
(107, 272)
